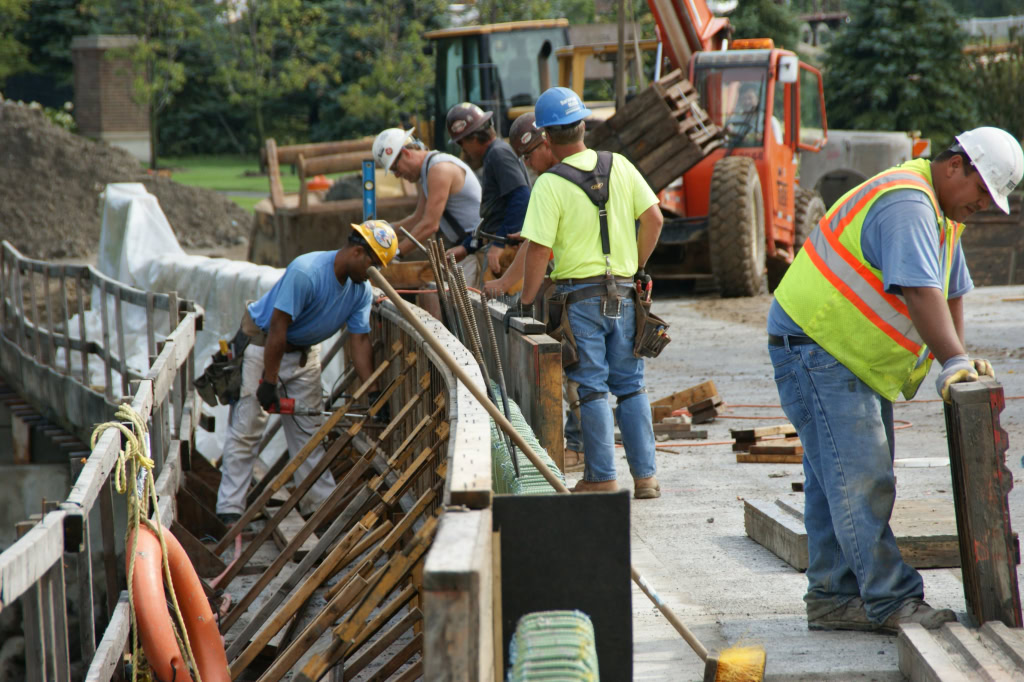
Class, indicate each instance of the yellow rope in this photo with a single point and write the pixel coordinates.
(135, 452)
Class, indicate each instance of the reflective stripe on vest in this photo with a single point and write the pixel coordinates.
(835, 295)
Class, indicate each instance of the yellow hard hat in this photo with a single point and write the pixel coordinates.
(380, 237)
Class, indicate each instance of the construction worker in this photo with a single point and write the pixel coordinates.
(318, 294)
(505, 185)
(531, 144)
(449, 192)
(597, 253)
(877, 287)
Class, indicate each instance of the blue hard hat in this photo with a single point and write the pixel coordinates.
(559, 106)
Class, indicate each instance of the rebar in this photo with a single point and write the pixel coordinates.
(443, 304)
(489, 324)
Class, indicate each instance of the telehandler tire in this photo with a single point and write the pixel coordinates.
(809, 209)
(736, 228)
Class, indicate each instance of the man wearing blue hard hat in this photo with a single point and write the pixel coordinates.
(584, 210)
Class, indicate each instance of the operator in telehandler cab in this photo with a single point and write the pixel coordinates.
(279, 343)
(584, 212)
(505, 189)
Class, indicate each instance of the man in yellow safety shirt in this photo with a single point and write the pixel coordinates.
(874, 293)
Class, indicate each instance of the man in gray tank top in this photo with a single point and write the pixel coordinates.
(449, 192)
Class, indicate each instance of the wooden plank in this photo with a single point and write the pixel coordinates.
(1009, 643)
(355, 665)
(274, 174)
(981, 485)
(782, 446)
(709, 403)
(982, 662)
(689, 396)
(762, 431)
(286, 531)
(778, 529)
(703, 416)
(110, 652)
(27, 561)
(751, 458)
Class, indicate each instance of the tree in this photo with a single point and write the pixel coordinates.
(766, 19)
(987, 8)
(47, 32)
(1001, 72)
(267, 50)
(13, 54)
(900, 66)
(162, 27)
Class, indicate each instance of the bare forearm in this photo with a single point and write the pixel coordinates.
(956, 311)
(933, 319)
(651, 222)
(277, 340)
(362, 357)
(537, 258)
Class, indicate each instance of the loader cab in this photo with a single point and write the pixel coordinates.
(496, 66)
(771, 107)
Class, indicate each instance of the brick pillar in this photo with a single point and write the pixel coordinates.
(104, 104)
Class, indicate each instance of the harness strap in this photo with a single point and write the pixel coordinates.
(590, 397)
(623, 398)
(594, 184)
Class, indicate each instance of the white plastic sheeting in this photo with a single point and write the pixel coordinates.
(138, 248)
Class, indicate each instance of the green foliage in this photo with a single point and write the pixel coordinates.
(47, 32)
(13, 54)
(899, 65)
(987, 8)
(1001, 73)
(267, 50)
(497, 11)
(766, 19)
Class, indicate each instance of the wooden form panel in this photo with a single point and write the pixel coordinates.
(981, 484)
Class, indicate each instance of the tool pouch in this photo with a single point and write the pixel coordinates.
(651, 331)
(222, 381)
(558, 328)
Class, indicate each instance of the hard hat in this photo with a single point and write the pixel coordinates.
(464, 119)
(387, 145)
(524, 135)
(559, 106)
(380, 237)
(998, 157)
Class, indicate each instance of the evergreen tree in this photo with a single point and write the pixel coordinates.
(47, 31)
(766, 19)
(13, 54)
(899, 65)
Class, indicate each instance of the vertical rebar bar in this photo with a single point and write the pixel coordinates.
(489, 324)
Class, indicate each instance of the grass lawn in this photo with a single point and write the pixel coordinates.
(236, 176)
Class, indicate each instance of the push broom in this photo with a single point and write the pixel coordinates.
(735, 664)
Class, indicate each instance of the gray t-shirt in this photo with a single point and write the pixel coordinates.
(503, 172)
(463, 206)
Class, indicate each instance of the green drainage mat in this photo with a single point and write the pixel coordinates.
(553, 645)
(503, 475)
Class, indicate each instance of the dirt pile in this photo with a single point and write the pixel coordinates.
(50, 181)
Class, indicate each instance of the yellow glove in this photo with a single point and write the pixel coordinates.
(955, 370)
(984, 368)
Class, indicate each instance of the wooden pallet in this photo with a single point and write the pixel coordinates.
(954, 653)
(925, 531)
(663, 131)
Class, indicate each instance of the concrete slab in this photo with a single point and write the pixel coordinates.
(690, 544)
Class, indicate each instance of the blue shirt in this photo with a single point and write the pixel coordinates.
(319, 304)
(898, 238)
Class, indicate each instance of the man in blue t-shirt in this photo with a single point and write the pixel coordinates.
(319, 293)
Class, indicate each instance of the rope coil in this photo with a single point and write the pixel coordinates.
(140, 487)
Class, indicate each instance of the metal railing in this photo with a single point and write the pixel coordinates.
(47, 362)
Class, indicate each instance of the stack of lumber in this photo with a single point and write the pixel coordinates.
(663, 131)
(705, 410)
(674, 427)
(768, 445)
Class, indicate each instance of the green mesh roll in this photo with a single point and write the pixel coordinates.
(553, 645)
(503, 475)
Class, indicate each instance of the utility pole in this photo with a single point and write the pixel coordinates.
(620, 60)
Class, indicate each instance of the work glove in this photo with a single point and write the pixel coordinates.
(383, 415)
(266, 394)
(956, 369)
(518, 310)
(984, 368)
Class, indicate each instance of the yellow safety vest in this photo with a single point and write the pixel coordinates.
(838, 298)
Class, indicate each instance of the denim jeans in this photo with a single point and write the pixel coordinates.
(607, 365)
(849, 490)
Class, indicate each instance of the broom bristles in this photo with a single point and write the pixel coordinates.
(741, 664)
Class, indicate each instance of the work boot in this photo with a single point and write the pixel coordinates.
(596, 487)
(646, 488)
(916, 611)
(849, 616)
(572, 460)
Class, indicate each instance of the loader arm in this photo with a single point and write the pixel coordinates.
(688, 26)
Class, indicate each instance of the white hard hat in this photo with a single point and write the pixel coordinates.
(387, 145)
(998, 157)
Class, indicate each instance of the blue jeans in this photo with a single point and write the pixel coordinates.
(607, 365)
(573, 438)
(849, 490)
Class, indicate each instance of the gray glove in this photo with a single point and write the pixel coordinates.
(955, 370)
